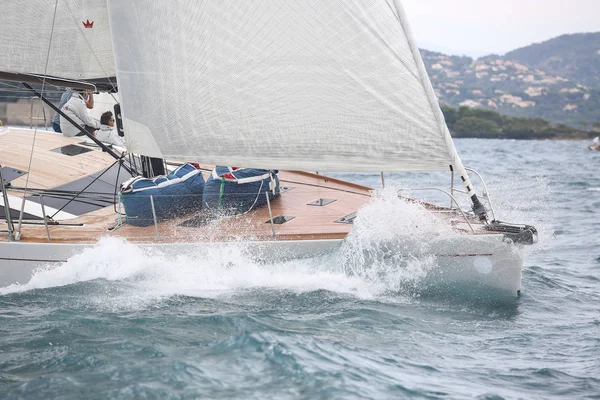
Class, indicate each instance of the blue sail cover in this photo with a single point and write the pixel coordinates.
(176, 194)
(231, 191)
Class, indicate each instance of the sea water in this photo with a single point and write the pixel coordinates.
(115, 322)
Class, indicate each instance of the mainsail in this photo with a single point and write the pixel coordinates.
(73, 37)
(333, 85)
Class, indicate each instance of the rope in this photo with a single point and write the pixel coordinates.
(221, 193)
(326, 187)
(256, 199)
(35, 131)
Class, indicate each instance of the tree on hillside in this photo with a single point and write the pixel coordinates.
(480, 123)
(466, 112)
(450, 115)
(476, 127)
(527, 128)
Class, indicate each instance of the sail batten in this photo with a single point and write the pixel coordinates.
(313, 85)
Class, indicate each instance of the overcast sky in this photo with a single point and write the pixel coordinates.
(478, 27)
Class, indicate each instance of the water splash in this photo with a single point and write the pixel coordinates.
(527, 200)
(111, 259)
(147, 274)
(390, 239)
(390, 248)
(392, 242)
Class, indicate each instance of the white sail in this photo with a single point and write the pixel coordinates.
(76, 44)
(333, 85)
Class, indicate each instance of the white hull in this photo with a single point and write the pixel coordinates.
(462, 257)
(466, 264)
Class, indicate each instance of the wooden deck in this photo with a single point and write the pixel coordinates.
(50, 169)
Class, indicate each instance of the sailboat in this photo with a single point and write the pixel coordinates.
(318, 85)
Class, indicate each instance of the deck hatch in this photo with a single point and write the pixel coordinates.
(71, 150)
(321, 202)
(10, 174)
(348, 219)
(281, 219)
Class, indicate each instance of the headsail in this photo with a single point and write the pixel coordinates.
(76, 43)
(311, 85)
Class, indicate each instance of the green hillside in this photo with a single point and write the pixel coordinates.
(558, 80)
(575, 57)
(480, 123)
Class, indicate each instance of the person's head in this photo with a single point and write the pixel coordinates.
(107, 119)
(87, 96)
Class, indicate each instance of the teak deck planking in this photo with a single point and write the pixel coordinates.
(51, 169)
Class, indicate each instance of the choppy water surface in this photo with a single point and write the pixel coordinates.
(117, 323)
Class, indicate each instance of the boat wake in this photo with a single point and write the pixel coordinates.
(211, 273)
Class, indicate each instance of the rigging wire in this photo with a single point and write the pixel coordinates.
(9, 86)
(35, 131)
(63, 193)
(87, 186)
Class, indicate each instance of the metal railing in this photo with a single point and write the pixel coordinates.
(32, 118)
(453, 199)
(8, 217)
(48, 222)
(156, 210)
(45, 216)
(270, 215)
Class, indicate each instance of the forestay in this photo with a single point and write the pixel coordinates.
(335, 85)
(77, 44)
